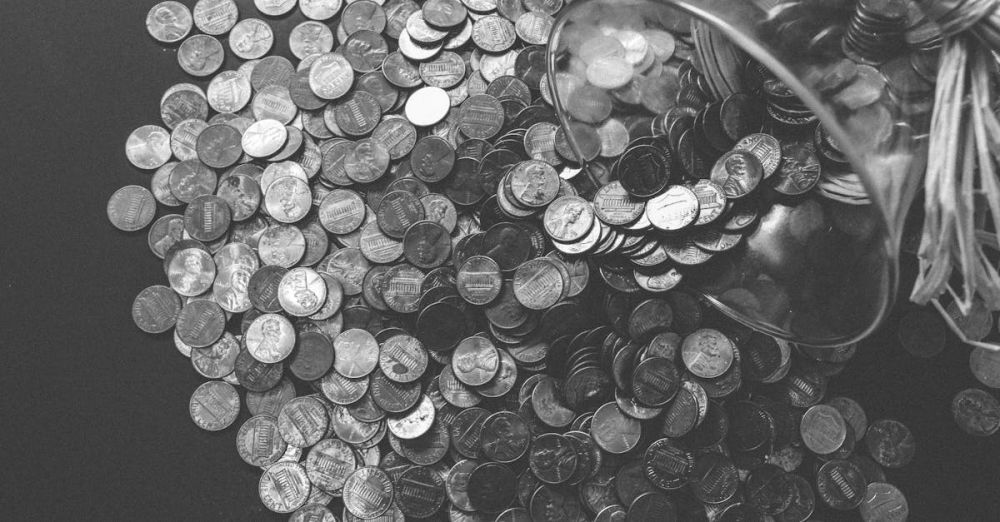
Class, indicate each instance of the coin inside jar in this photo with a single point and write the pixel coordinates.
(707, 353)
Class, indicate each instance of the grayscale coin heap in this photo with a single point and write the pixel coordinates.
(393, 271)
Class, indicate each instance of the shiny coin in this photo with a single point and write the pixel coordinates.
(479, 280)
(766, 148)
(309, 38)
(403, 358)
(711, 201)
(568, 219)
(169, 22)
(131, 208)
(274, 7)
(319, 9)
(922, 333)
(614, 431)
(302, 292)
(615, 206)
(148, 147)
(342, 211)
(673, 210)
(270, 338)
(331, 76)
(707, 353)
(427, 106)
(284, 487)
(264, 138)
(200, 323)
(738, 172)
(251, 39)
(214, 406)
(538, 284)
(823, 429)
(356, 353)
(368, 493)
(493, 34)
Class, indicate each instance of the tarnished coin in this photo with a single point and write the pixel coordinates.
(258, 441)
(207, 218)
(823, 429)
(841, 484)
(552, 458)
(200, 323)
(220, 146)
(800, 169)
(403, 358)
(357, 353)
(708, 353)
(270, 338)
(890, 443)
(269, 402)
(148, 147)
(218, 360)
(314, 511)
(491, 487)
(714, 478)
(568, 218)
(303, 421)
(201, 55)
(214, 406)
(131, 208)
(155, 309)
(481, 116)
(493, 34)
(883, 503)
(420, 492)
(169, 22)
(427, 244)
(976, 412)
(284, 487)
(368, 493)
(675, 209)
(738, 172)
(215, 17)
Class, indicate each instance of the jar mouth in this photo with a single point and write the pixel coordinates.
(890, 193)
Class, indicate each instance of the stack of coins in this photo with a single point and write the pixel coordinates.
(424, 298)
(875, 32)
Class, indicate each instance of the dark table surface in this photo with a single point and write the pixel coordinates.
(95, 421)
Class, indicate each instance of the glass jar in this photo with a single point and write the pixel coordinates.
(846, 89)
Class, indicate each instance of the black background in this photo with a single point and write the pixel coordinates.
(95, 419)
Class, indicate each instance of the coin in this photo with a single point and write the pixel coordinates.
(708, 353)
(258, 441)
(475, 361)
(131, 208)
(284, 487)
(303, 421)
(357, 353)
(200, 55)
(156, 309)
(169, 22)
(890, 443)
(883, 502)
(799, 172)
(319, 9)
(673, 210)
(613, 431)
(976, 412)
(270, 338)
(538, 284)
(738, 172)
(214, 406)
(427, 106)
(368, 493)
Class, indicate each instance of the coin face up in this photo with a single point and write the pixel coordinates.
(169, 22)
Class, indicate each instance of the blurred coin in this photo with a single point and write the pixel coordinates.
(890, 443)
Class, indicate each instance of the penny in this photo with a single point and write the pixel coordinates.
(269, 402)
(274, 7)
(156, 309)
(841, 484)
(363, 15)
(309, 38)
(303, 421)
(218, 360)
(148, 147)
(258, 441)
(505, 437)
(613, 431)
(169, 22)
(356, 353)
(707, 353)
(799, 172)
(883, 502)
(420, 492)
(568, 218)
(673, 210)
(401, 288)
(481, 116)
(666, 465)
(320, 10)
(214, 406)
(264, 138)
(655, 381)
(475, 361)
(343, 390)
(342, 211)
(538, 284)
(313, 356)
(976, 412)
(282, 245)
(644, 171)
(479, 280)
(131, 208)
(491, 487)
(270, 338)
(251, 39)
(493, 34)
(890, 443)
(200, 323)
(284, 487)
(552, 458)
(200, 55)
(823, 429)
(765, 147)
(427, 106)
(738, 172)
(215, 17)
(331, 76)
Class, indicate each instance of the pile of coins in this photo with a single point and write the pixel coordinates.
(393, 256)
